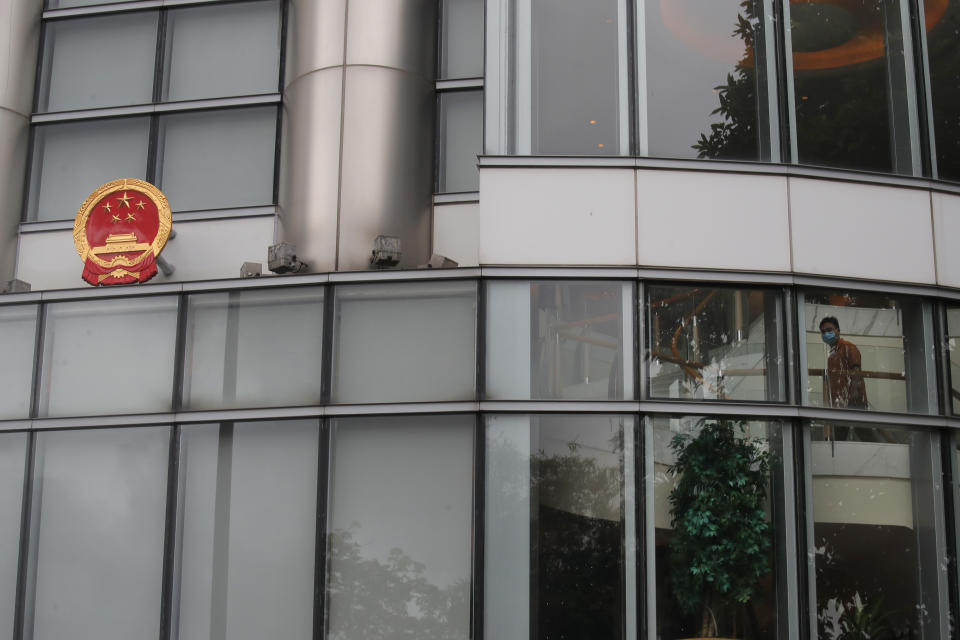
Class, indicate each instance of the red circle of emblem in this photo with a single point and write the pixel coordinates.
(120, 230)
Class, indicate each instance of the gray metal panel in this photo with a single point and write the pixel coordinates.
(14, 142)
(310, 167)
(19, 41)
(387, 164)
(400, 34)
(314, 36)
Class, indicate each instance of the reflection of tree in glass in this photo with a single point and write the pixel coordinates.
(576, 534)
(578, 547)
(945, 86)
(391, 598)
(735, 136)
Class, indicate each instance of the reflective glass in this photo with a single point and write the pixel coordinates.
(953, 344)
(558, 550)
(405, 342)
(72, 159)
(218, 159)
(461, 140)
(217, 51)
(13, 459)
(710, 343)
(108, 356)
(575, 68)
(249, 513)
(106, 61)
(559, 340)
(461, 54)
(874, 546)
(400, 528)
(881, 357)
(707, 79)
(943, 29)
(714, 554)
(852, 77)
(253, 348)
(96, 536)
(18, 332)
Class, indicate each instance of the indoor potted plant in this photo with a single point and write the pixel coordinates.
(720, 546)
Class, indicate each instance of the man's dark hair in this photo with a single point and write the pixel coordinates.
(835, 322)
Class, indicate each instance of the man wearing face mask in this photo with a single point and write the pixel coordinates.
(844, 380)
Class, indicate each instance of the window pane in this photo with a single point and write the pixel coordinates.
(555, 526)
(549, 340)
(462, 39)
(850, 79)
(409, 342)
(575, 77)
(874, 499)
(218, 159)
(105, 61)
(71, 160)
(709, 343)
(718, 569)
(13, 459)
(953, 343)
(461, 135)
(707, 79)
(108, 356)
(881, 357)
(96, 540)
(218, 51)
(400, 520)
(943, 25)
(18, 332)
(246, 555)
(253, 348)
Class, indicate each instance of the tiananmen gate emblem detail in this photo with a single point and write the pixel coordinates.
(120, 231)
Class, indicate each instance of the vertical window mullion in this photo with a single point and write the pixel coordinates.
(321, 551)
(169, 601)
(21, 626)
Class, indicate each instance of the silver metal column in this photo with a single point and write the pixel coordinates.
(358, 129)
(19, 40)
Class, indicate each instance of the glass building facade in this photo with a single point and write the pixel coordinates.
(695, 376)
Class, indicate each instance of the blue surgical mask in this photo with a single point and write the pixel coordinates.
(829, 337)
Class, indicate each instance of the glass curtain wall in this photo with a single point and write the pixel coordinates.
(559, 340)
(253, 348)
(18, 335)
(247, 530)
(571, 68)
(400, 528)
(710, 79)
(868, 351)
(96, 533)
(942, 21)
(953, 357)
(714, 525)
(560, 524)
(13, 460)
(713, 343)
(875, 509)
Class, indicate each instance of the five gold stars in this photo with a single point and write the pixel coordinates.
(122, 202)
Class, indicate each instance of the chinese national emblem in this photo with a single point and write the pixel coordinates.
(120, 231)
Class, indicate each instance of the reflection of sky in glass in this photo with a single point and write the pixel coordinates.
(99, 537)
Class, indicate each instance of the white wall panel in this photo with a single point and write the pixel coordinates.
(712, 220)
(861, 231)
(202, 250)
(946, 234)
(552, 216)
(455, 232)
